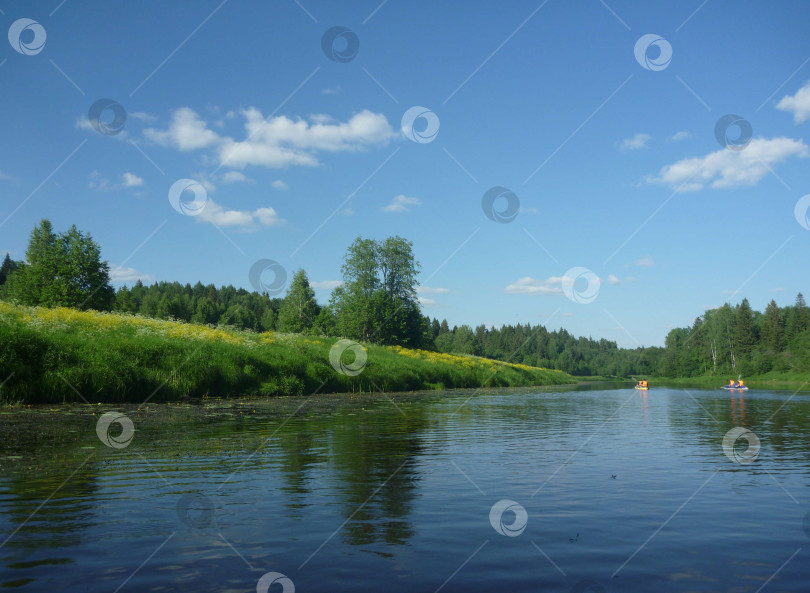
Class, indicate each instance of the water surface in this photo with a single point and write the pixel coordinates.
(617, 489)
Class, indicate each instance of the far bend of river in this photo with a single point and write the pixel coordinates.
(543, 490)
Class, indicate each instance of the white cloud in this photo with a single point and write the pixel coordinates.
(203, 179)
(100, 183)
(235, 177)
(528, 285)
(432, 290)
(132, 180)
(83, 123)
(428, 303)
(347, 211)
(332, 91)
(4, 177)
(730, 168)
(247, 219)
(548, 286)
(326, 284)
(143, 116)
(567, 314)
(645, 262)
(678, 136)
(279, 184)
(798, 104)
(268, 217)
(186, 132)
(635, 142)
(402, 203)
(778, 289)
(128, 275)
(281, 141)
(275, 142)
(732, 291)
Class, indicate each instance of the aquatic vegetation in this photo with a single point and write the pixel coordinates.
(60, 354)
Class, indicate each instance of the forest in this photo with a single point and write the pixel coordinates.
(730, 340)
(377, 303)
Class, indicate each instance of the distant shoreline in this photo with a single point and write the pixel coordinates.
(786, 381)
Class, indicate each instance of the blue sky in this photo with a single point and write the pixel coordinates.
(613, 161)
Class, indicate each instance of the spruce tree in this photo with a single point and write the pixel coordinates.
(744, 330)
(298, 310)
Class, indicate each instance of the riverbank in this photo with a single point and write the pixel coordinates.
(794, 381)
(65, 355)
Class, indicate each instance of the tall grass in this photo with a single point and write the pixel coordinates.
(60, 355)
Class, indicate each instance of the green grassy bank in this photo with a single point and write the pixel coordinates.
(794, 381)
(61, 355)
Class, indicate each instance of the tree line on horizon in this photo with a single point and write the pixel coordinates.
(727, 341)
(377, 303)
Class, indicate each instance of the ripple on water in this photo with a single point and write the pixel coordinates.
(362, 495)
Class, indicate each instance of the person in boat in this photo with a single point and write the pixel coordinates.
(740, 383)
(732, 383)
(642, 383)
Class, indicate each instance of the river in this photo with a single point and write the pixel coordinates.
(593, 488)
